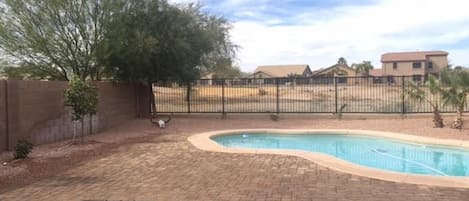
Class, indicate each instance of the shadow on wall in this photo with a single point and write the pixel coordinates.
(34, 110)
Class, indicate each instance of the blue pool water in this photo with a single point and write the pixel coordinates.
(381, 153)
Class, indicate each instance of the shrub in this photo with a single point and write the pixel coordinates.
(83, 99)
(22, 149)
(262, 92)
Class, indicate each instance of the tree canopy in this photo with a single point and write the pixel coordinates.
(158, 40)
(131, 40)
(342, 61)
(363, 68)
(60, 38)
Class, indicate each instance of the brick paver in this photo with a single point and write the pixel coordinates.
(168, 167)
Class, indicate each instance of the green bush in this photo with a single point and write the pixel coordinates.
(82, 97)
(262, 92)
(23, 148)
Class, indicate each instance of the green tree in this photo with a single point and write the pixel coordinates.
(159, 40)
(83, 99)
(454, 91)
(432, 97)
(363, 68)
(228, 72)
(342, 61)
(59, 38)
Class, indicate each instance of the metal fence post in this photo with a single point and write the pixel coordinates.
(336, 95)
(278, 94)
(403, 95)
(188, 97)
(223, 96)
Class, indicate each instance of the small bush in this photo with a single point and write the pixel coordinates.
(22, 149)
(262, 92)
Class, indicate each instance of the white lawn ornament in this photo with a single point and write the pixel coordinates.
(162, 123)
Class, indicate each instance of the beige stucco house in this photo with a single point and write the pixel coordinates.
(341, 71)
(416, 64)
(266, 74)
(282, 71)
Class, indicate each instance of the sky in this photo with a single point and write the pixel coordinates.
(317, 32)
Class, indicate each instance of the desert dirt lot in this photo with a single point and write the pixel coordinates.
(138, 161)
(299, 98)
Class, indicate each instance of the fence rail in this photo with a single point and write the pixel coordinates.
(291, 95)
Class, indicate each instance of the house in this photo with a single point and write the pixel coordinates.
(341, 71)
(267, 73)
(376, 72)
(282, 71)
(416, 64)
(206, 79)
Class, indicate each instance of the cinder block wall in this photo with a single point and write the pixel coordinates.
(3, 116)
(36, 111)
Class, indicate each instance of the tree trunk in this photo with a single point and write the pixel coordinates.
(82, 130)
(459, 121)
(437, 120)
(91, 124)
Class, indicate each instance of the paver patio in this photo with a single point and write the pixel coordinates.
(165, 166)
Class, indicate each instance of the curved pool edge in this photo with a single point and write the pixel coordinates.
(203, 141)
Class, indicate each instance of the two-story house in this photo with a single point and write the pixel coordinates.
(416, 64)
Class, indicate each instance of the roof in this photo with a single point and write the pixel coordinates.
(317, 72)
(282, 70)
(376, 72)
(410, 56)
(207, 76)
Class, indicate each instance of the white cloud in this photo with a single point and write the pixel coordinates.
(355, 32)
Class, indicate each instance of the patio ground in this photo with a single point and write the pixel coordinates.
(138, 161)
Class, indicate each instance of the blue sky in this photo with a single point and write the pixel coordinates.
(319, 32)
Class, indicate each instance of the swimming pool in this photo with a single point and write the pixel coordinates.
(374, 152)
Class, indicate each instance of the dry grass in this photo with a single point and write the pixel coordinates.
(300, 93)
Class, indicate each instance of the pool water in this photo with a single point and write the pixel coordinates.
(381, 153)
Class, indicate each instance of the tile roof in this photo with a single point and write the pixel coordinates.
(282, 70)
(410, 56)
(376, 72)
(331, 67)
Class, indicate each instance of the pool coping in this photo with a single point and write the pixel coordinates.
(203, 141)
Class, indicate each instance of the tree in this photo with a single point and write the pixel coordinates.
(342, 61)
(25, 72)
(454, 91)
(228, 72)
(432, 97)
(57, 38)
(83, 99)
(363, 68)
(162, 41)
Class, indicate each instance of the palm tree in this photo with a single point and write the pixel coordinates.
(454, 90)
(363, 68)
(431, 97)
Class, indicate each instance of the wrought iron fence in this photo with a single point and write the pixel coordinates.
(291, 95)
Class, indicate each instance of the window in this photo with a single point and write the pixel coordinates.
(417, 78)
(390, 79)
(342, 80)
(430, 64)
(417, 65)
(394, 65)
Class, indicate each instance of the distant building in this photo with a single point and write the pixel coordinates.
(339, 71)
(266, 74)
(416, 64)
(282, 71)
(376, 72)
